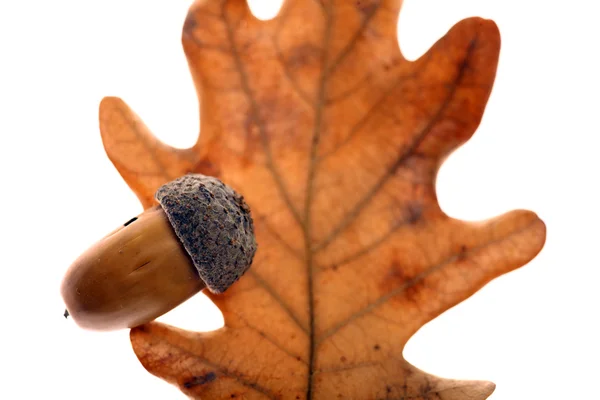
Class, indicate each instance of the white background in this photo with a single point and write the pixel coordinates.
(534, 332)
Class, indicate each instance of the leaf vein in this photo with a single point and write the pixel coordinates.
(312, 170)
(286, 70)
(366, 364)
(271, 340)
(371, 246)
(419, 138)
(225, 372)
(353, 41)
(417, 279)
(277, 299)
(150, 150)
(254, 112)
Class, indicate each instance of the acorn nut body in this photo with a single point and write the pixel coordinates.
(200, 236)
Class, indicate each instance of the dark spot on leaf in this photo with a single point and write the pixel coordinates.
(304, 55)
(343, 359)
(376, 347)
(366, 7)
(396, 272)
(190, 23)
(207, 168)
(414, 212)
(425, 389)
(397, 276)
(388, 389)
(200, 380)
(463, 252)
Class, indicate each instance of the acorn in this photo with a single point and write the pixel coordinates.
(201, 235)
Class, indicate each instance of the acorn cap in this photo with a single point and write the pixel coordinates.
(214, 225)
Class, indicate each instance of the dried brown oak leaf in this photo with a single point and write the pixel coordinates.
(335, 140)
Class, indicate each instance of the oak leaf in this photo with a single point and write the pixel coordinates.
(335, 140)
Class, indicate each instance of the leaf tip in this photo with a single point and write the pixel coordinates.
(487, 26)
(469, 390)
(537, 228)
(482, 390)
(110, 102)
(478, 29)
(107, 108)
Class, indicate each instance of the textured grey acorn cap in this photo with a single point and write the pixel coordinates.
(214, 224)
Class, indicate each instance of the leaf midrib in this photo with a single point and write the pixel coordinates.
(304, 220)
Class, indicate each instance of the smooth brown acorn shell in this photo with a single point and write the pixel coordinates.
(130, 277)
